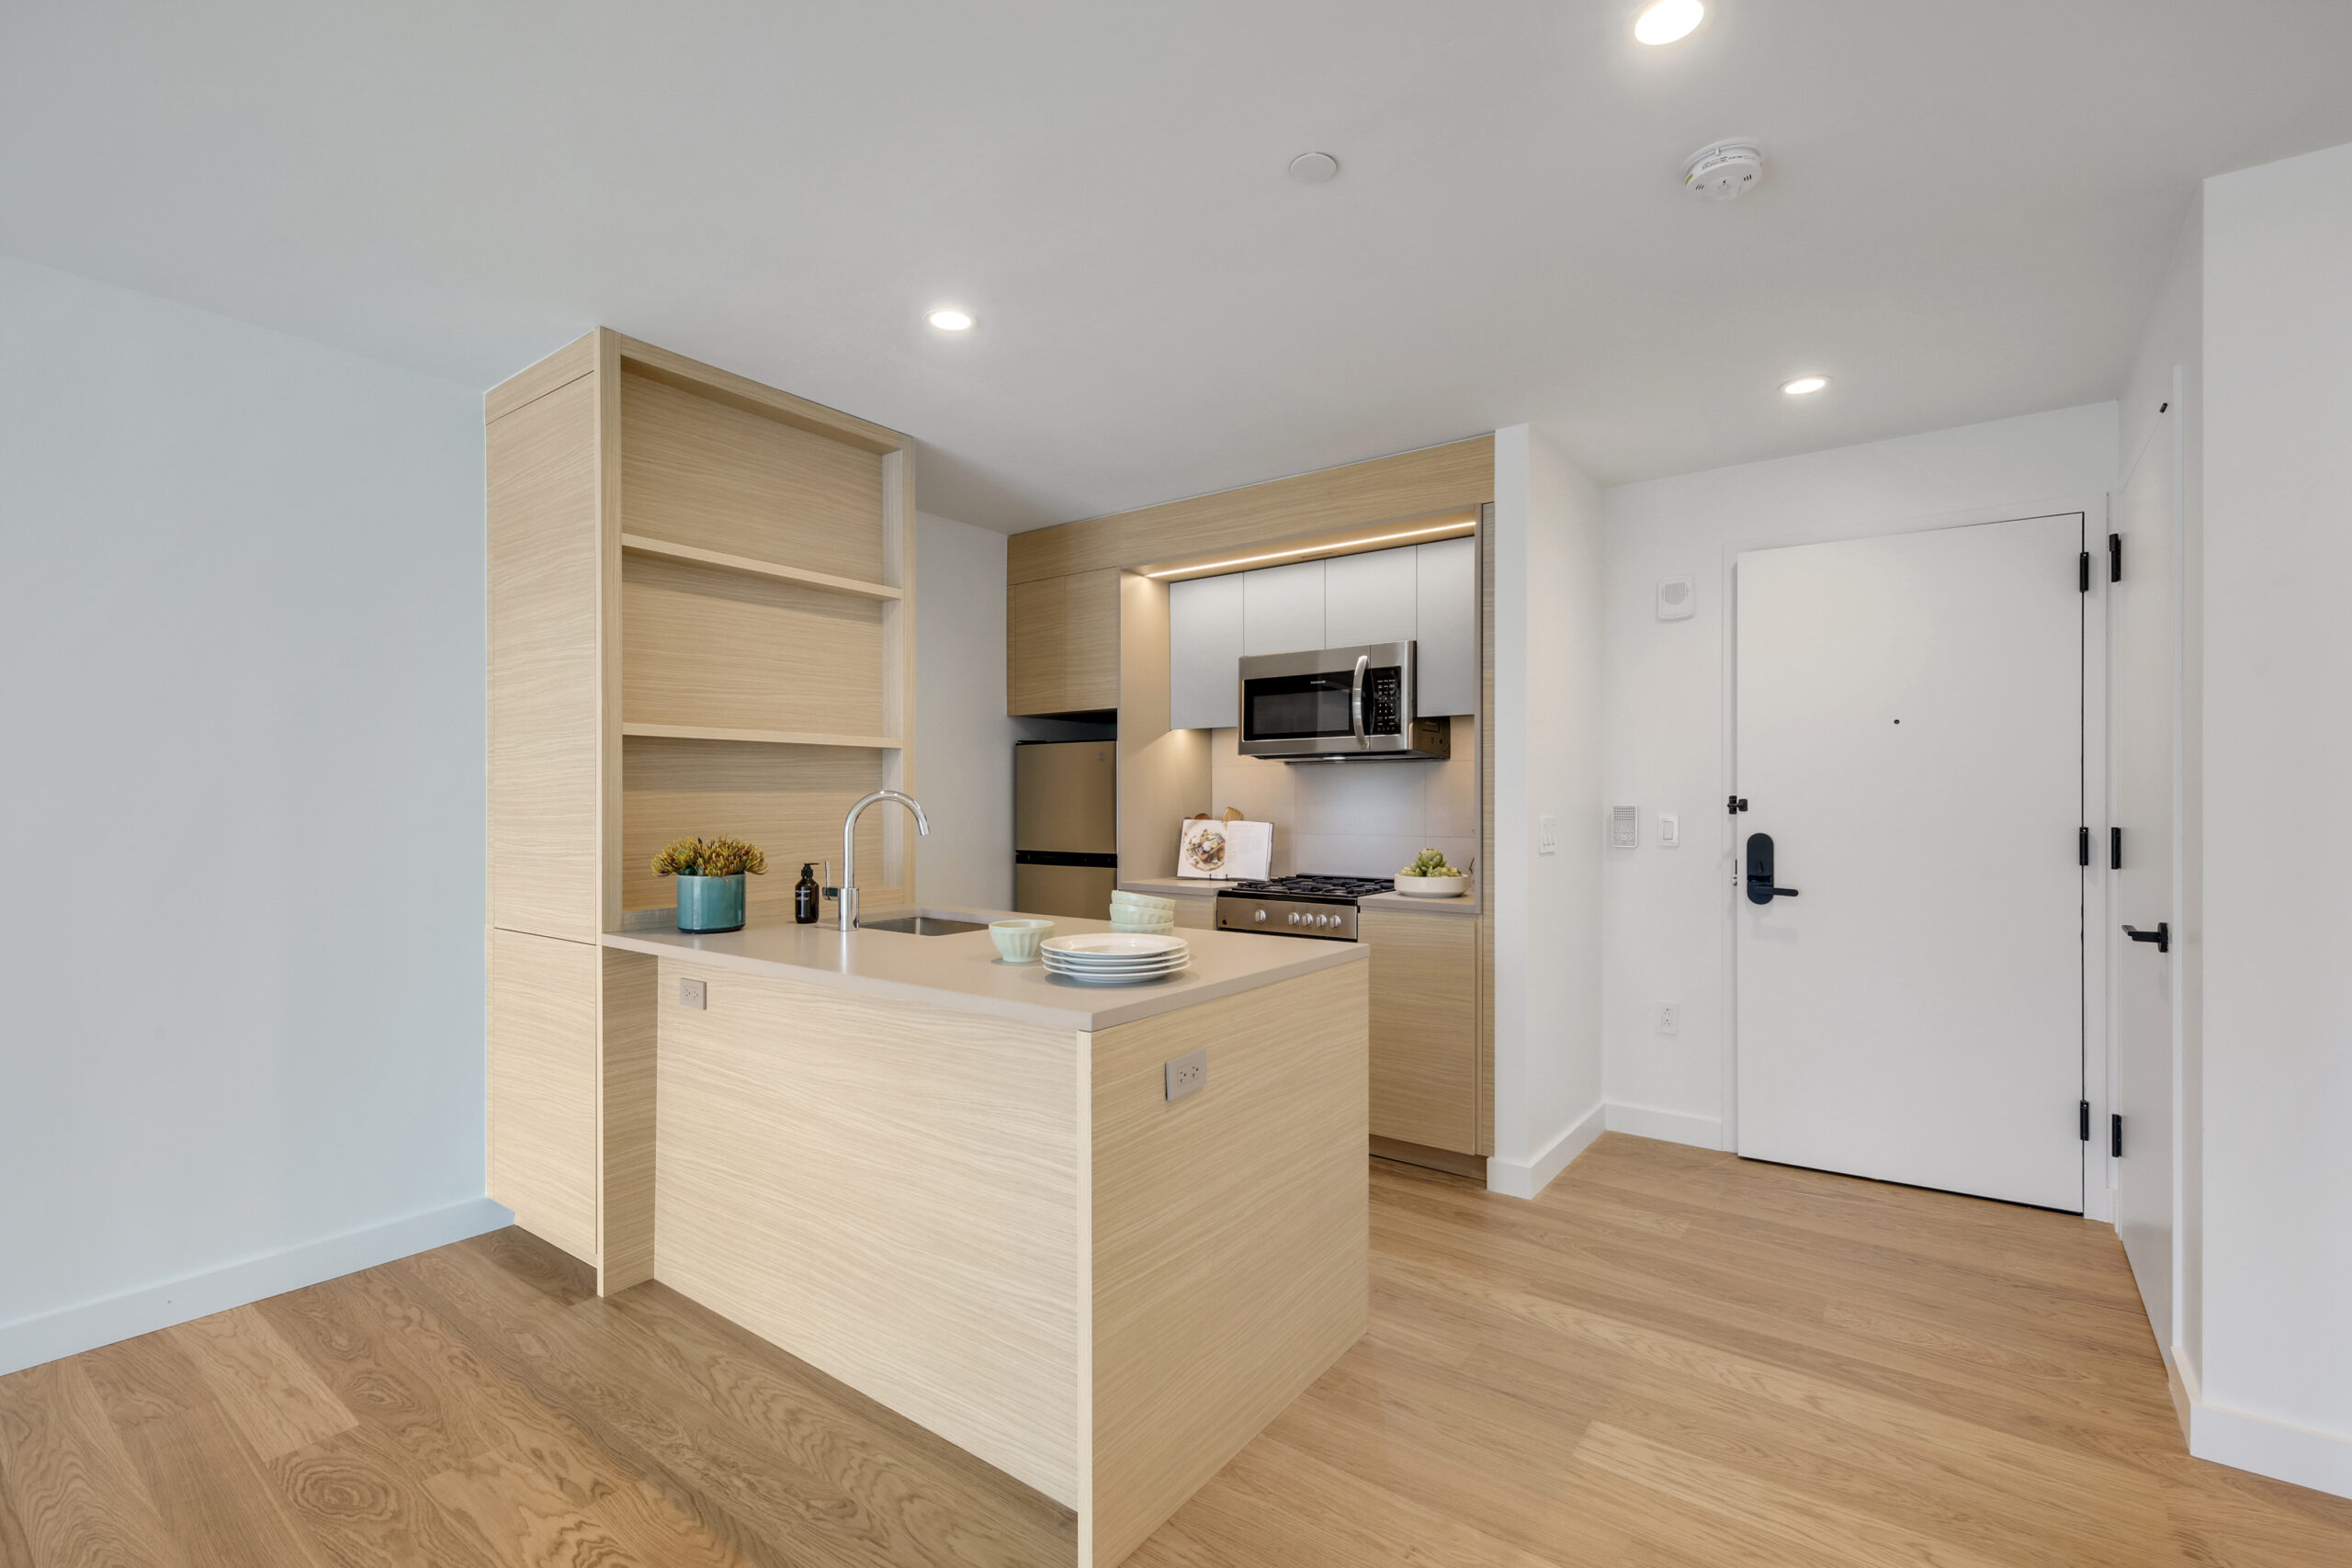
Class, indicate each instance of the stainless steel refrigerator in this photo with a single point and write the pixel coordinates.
(1065, 828)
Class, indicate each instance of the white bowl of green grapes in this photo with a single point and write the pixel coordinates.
(1429, 877)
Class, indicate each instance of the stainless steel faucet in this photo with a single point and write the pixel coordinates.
(846, 896)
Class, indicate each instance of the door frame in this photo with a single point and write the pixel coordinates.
(2099, 1202)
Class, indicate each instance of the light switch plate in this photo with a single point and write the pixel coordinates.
(1670, 830)
(693, 993)
(1187, 1073)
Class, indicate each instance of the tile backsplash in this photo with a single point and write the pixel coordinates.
(1354, 818)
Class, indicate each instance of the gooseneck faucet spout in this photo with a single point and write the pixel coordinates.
(846, 896)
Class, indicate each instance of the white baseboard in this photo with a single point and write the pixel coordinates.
(1669, 1126)
(2321, 1461)
(1513, 1179)
(69, 1331)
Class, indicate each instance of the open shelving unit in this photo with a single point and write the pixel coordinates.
(701, 622)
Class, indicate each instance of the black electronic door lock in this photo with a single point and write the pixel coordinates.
(1759, 871)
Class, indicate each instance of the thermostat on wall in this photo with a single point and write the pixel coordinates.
(1675, 599)
(1624, 828)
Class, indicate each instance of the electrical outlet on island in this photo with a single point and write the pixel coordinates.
(1669, 1018)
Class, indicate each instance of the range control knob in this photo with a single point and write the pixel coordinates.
(1294, 920)
(1259, 917)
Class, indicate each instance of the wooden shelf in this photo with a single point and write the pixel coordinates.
(744, 566)
(761, 737)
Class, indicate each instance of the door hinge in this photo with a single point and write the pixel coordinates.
(2083, 573)
(2086, 1121)
(2115, 1136)
(2115, 848)
(2082, 848)
(1737, 805)
(2115, 558)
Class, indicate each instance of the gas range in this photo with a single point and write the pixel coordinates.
(1323, 908)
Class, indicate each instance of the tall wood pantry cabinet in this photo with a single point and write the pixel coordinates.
(701, 622)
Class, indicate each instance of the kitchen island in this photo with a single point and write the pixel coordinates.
(960, 1186)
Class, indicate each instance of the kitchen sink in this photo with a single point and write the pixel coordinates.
(922, 925)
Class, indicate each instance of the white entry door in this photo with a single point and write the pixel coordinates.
(2141, 612)
(1910, 724)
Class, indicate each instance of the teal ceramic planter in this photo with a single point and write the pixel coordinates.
(710, 903)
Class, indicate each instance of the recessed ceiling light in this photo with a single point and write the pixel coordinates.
(1669, 20)
(1804, 386)
(1314, 168)
(950, 321)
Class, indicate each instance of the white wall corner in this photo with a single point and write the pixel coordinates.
(1525, 1178)
(69, 1331)
(1669, 1126)
(2321, 1461)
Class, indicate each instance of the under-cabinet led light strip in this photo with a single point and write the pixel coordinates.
(1314, 549)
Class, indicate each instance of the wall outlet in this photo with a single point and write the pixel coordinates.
(1669, 1018)
(693, 993)
(1547, 835)
(1187, 1073)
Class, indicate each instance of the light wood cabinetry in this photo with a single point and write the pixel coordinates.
(543, 1008)
(701, 622)
(1062, 644)
(1425, 1027)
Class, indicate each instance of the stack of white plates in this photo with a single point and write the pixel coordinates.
(1115, 958)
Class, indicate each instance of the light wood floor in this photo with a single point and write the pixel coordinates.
(1672, 1359)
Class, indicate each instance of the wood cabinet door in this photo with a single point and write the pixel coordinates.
(1424, 1027)
(543, 996)
(1090, 649)
(1036, 636)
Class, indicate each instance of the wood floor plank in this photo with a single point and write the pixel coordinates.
(554, 1506)
(358, 1498)
(79, 1502)
(211, 1493)
(1671, 1358)
(271, 1395)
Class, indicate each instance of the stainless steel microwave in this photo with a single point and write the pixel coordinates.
(1337, 704)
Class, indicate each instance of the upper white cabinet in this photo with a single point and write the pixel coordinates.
(1204, 643)
(1373, 597)
(1446, 622)
(1283, 609)
(1426, 595)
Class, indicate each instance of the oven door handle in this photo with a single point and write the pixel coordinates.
(1356, 701)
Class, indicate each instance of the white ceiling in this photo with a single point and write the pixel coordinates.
(1969, 209)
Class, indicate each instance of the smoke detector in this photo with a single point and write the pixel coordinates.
(1725, 170)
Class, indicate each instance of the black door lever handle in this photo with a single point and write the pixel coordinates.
(1759, 871)
(2161, 936)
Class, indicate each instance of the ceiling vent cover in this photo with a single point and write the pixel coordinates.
(1725, 170)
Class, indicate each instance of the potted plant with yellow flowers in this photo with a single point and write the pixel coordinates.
(710, 874)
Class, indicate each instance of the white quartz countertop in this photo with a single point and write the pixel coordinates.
(961, 971)
(1207, 887)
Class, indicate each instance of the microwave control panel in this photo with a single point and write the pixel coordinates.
(1383, 701)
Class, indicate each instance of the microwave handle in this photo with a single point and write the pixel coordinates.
(1355, 700)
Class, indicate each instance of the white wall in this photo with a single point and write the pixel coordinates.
(1354, 820)
(2276, 1362)
(1547, 563)
(1668, 708)
(2167, 368)
(963, 764)
(240, 621)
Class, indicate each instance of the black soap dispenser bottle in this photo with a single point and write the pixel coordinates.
(804, 895)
